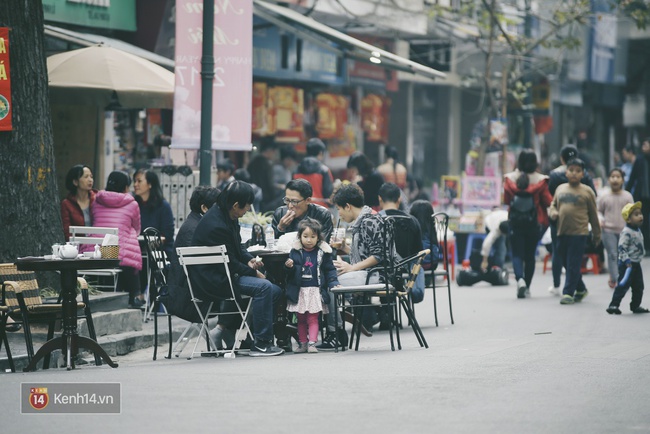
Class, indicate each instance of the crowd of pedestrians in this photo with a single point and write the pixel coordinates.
(303, 199)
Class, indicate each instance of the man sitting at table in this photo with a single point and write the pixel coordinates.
(410, 240)
(366, 251)
(298, 206)
(220, 226)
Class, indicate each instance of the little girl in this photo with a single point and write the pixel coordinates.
(610, 204)
(311, 273)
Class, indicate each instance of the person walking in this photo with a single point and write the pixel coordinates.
(558, 177)
(311, 274)
(574, 208)
(610, 204)
(527, 194)
(312, 169)
(630, 254)
(639, 185)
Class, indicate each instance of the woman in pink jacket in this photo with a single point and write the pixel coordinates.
(115, 207)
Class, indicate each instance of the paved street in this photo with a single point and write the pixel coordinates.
(506, 366)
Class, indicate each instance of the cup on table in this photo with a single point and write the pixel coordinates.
(56, 248)
(337, 238)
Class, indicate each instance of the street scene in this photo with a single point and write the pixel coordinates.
(506, 365)
(369, 216)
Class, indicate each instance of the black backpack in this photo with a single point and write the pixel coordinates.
(523, 212)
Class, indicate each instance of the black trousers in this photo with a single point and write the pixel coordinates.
(635, 281)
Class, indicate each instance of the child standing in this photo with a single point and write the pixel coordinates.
(630, 253)
(574, 208)
(311, 275)
(610, 205)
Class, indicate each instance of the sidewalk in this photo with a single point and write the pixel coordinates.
(506, 366)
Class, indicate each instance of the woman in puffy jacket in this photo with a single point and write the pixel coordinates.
(115, 207)
(525, 182)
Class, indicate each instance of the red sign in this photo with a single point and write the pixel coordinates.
(5, 81)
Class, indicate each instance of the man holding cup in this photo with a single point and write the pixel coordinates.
(298, 206)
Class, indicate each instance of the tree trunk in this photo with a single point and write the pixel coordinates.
(29, 205)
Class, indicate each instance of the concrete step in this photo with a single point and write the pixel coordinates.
(115, 344)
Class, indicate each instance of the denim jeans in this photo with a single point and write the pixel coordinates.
(571, 249)
(499, 251)
(265, 296)
(417, 292)
(556, 258)
(524, 246)
(610, 240)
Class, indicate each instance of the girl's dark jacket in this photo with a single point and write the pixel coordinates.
(326, 271)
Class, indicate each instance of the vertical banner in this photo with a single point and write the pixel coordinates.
(5, 82)
(233, 81)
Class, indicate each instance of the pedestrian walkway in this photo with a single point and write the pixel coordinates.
(508, 365)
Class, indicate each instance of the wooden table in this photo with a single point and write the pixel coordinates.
(70, 341)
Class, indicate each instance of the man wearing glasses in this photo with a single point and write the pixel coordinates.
(297, 207)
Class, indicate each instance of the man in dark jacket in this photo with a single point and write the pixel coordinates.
(220, 226)
(315, 172)
(298, 200)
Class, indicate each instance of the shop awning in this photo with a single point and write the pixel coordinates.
(88, 40)
(339, 42)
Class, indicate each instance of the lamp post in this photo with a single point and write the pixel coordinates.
(207, 77)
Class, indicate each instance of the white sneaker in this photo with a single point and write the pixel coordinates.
(554, 290)
(522, 289)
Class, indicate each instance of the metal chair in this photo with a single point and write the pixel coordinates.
(217, 255)
(21, 297)
(95, 235)
(156, 263)
(440, 222)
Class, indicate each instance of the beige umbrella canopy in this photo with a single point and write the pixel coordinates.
(101, 75)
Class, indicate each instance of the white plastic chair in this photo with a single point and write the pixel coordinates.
(95, 235)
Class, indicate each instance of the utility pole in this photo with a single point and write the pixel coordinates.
(527, 112)
(207, 77)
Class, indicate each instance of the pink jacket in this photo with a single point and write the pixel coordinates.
(121, 211)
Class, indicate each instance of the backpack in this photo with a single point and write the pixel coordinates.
(523, 212)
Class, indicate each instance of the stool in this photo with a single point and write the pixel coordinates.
(595, 267)
(470, 242)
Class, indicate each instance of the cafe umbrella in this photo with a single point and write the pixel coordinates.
(103, 76)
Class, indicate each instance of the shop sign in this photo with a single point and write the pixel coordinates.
(5, 82)
(105, 14)
(275, 56)
(374, 75)
(233, 81)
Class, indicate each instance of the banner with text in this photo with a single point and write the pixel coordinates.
(5, 82)
(233, 81)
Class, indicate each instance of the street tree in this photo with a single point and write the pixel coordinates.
(29, 205)
(511, 49)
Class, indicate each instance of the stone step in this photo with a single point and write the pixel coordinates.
(115, 345)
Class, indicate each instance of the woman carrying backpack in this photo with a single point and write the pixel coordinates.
(526, 193)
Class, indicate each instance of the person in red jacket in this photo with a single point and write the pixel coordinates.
(522, 184)
(75, 208)
(116, 208)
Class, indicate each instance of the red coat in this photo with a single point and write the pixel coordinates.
(538, 188)
(71, 213)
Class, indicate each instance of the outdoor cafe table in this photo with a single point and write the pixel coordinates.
(70, 341)
(274, 266)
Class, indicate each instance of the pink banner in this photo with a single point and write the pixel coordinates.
(233, 81)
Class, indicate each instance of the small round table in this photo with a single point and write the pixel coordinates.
(70, 341)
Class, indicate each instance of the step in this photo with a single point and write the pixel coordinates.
(102, 302)
(115, 345)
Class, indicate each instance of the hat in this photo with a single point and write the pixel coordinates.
(627, 209)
